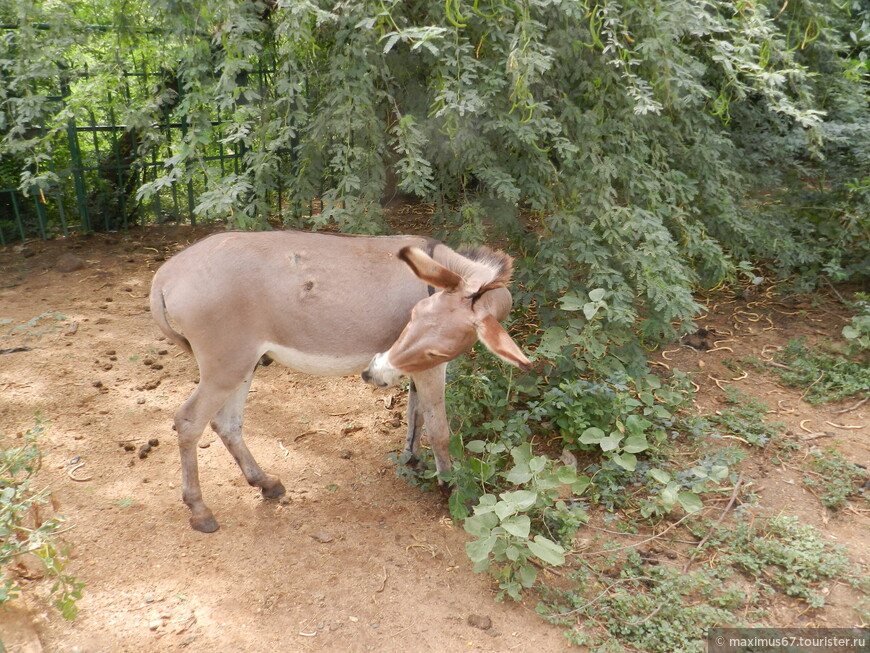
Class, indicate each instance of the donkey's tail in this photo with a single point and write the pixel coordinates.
(158, 311)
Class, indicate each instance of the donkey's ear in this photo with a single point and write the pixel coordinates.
(500, 343)
(428, 270)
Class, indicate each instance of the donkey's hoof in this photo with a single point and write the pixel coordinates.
(446, 489)
(204, 524)
(273, 492)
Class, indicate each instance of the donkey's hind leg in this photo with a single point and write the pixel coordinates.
(228, 425)
(190, 421)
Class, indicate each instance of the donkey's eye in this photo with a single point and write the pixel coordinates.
(436, 355)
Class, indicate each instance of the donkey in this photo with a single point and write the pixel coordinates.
(387, 307)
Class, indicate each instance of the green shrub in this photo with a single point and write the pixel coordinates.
(835, 478)
(745, 418)
(786, 556)
(857, 332)
(824, 371)
(19, 535)
(636, 601)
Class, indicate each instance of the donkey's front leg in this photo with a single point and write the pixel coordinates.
(415, 428)
(430, 404)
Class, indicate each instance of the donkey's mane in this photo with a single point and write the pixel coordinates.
(499, 264)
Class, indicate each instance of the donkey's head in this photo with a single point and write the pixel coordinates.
(473, 298)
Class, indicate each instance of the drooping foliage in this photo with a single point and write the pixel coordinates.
(640, 147)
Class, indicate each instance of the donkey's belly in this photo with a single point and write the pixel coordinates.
(318, 363)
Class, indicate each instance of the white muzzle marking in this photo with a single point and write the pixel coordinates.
(381, 373)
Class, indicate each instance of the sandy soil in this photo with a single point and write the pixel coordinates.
(353, 558)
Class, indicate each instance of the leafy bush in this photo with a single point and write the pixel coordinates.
(628, 149)
(836, 478)
(857, 332)
(787, 556)
(643, 607)
(503, 531)
(636, 601)
(824, 371)
(745, 418)
(22, 532)
(615, 436)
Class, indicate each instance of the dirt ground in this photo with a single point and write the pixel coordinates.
(353, 558)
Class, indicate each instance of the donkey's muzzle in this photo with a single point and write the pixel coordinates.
(380, 373)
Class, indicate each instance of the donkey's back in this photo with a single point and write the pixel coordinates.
(318, 303)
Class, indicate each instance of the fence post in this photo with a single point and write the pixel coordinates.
(57, 195)
(41, 219)
(18, 217)
(75, 158)
(190, 204)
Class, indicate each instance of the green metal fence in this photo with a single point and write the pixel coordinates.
(97, 165)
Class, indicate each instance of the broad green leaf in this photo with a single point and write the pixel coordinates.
(518, 525)
(611, 442)
(479, 550)
(669, 495)
(636, 424)
(546, 482)
(522, 454)
(597, 294)
(481, 524)
(547, 550)
(635, 444)
(476, 446)
(552, 341)
(592, 435)
(503, 510)
(590, 309)
(537, 464)
(661, 412)
(659, 475)
(690, 501)
(652, 381)
(459, 510)
(579, 486)
(521, 500)
(486, 504)
(628, 461)
(571, 301)
(527, 575)
(519, 474)
(481, 469)
(566, 474)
